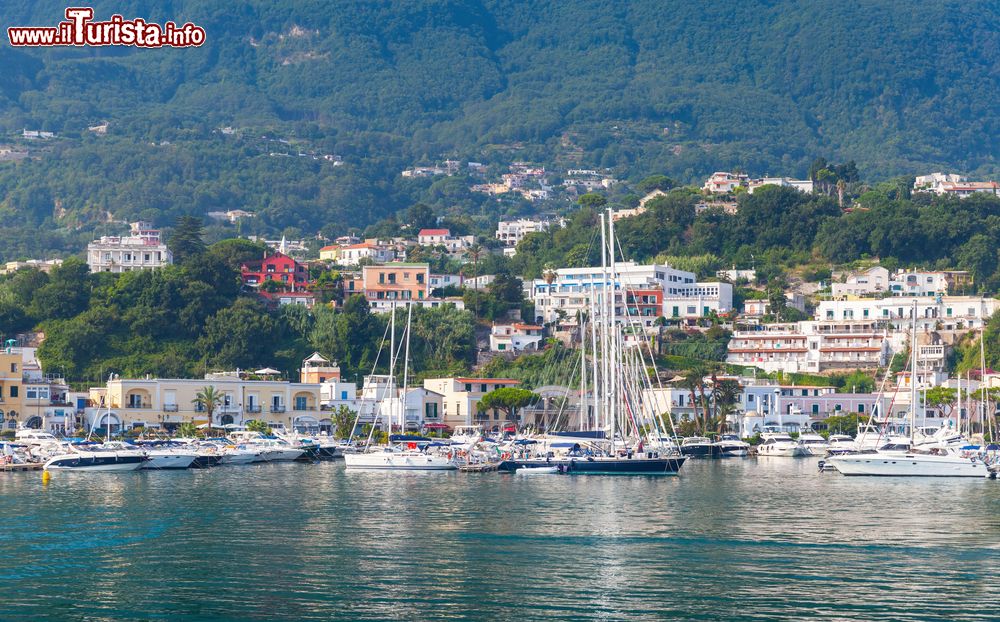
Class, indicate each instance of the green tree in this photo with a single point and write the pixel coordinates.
(241, 335)
(942, 398)
(507, 400)
(343, 422)
(186, 240)
(258, 426)
(187, 430)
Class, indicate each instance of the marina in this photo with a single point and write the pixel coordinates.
(339, 544)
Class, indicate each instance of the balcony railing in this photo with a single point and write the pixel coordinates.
(277, 409)
(170, 408)
(253, 408)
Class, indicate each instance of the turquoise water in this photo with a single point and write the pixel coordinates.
(763, 539)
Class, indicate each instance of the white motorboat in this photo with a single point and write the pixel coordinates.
(732, 445)
(240, 454)
(271, 449)
(813, 444)
(779, 444)
(936, 462)
(97, 459)
(390, 458)
(840, 444)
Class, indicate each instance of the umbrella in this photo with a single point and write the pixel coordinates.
(267, 371)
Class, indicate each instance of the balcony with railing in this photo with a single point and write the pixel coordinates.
(277, 408)
(170, 408)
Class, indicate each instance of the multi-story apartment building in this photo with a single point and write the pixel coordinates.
(30, 398)
(168, 402)
(933, 312)
(812, 346)
(460, 398)
(141, 250)
(388, 285)
(655, 291)
(877, 280)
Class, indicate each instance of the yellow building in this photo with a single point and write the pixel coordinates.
(11, 387)
(460, 399)
(169, 402)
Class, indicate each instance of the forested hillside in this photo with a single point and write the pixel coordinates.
(647, 86)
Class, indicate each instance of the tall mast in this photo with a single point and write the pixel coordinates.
(593, 342)
(913, 374)
(392, 361)
(406, 370)
(604, 326)
(614, 393)
(583, 372)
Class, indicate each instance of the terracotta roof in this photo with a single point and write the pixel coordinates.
(426, 232)
(328, 248)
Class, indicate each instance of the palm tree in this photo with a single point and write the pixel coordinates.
(726, 394)
(208, 399)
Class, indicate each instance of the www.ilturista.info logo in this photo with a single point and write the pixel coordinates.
(80, 29)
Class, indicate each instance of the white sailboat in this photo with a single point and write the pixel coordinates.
(629, 433)
(909, 459)
(414, 456)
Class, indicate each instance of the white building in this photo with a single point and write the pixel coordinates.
(142, 250)
(737, 275)
(722, 182)
(802, 185)
(697, 300)
(654, 291)
(874, 280)
(761, 307)
(515, 337)
(511, 232)
(954, 185)
(445, 280)
(353, 254)
(443, 237)
(933, 312)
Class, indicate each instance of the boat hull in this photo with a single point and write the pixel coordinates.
(908, 465)
(395, 462)
(169, 461)
(701, 451)
(94, 463)
(669, 465)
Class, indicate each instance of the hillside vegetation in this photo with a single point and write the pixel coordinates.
(642, 87)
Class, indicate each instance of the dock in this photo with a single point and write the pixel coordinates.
(27, 466)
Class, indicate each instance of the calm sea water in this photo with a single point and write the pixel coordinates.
(763, 539)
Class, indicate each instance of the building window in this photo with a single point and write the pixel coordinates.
(431, 411)
(13, 391)
(301, 402)
(483, 388)
(468, 387)
(13, 368)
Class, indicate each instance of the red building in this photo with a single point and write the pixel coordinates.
(277, 267)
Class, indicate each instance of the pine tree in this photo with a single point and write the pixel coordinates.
(186, 240)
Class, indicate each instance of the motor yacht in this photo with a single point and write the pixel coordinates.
(699, 447)
(909, 462)
(840, 444)
(730, 445)
(813, 444)
(779, 444)
(96, 457)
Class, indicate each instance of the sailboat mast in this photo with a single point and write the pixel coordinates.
(593, 343)
(913, 374)
(406, 370)
(392, 361)
(614, 393)
(604, 325)
(583, 373)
